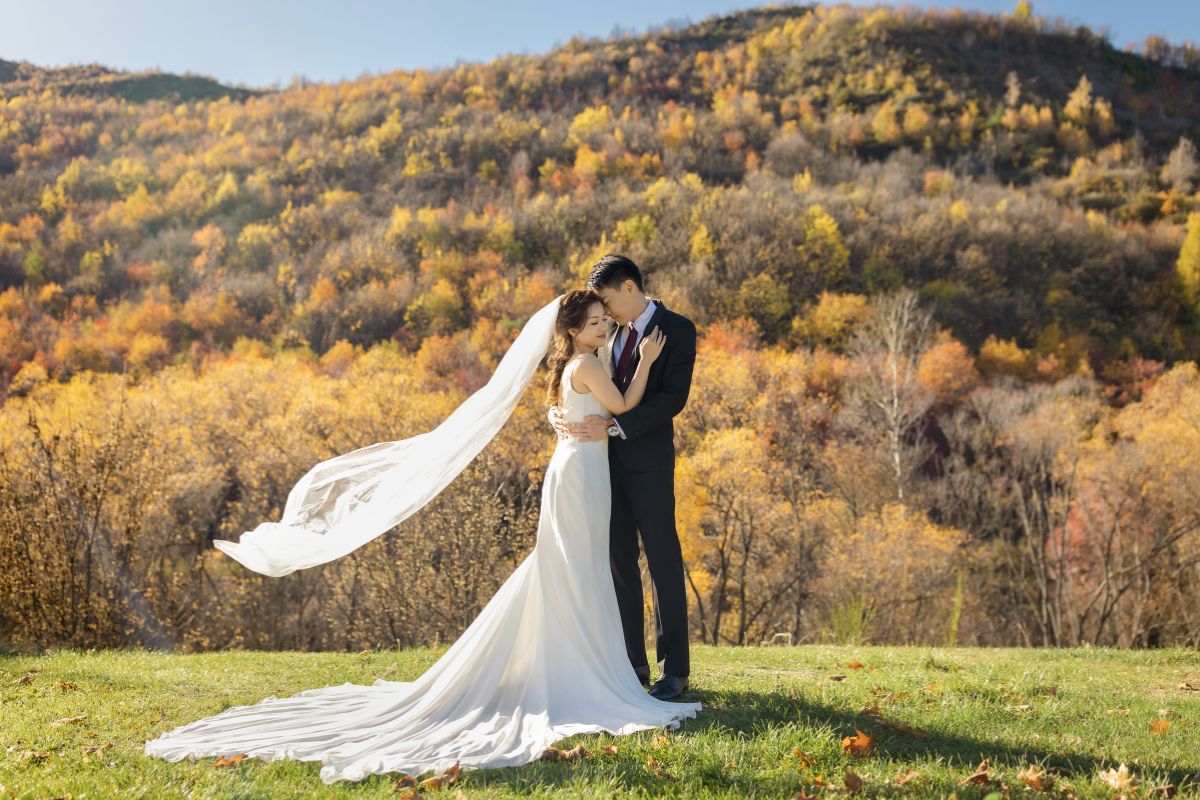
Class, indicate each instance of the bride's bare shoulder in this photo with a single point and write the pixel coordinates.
(590, 367)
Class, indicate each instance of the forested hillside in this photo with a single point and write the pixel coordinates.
(749, 162)
(909, 239)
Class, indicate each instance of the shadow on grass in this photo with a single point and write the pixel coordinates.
(735, 715)
(752, 712)
(734, 719)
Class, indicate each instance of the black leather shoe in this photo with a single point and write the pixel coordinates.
(668, 687)
(643, 674)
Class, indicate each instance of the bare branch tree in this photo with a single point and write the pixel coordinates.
(886, 400)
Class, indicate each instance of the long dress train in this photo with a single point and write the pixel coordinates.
(545, 659)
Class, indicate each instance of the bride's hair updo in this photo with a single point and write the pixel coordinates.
(572, 313)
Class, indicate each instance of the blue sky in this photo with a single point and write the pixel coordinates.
(261, 42)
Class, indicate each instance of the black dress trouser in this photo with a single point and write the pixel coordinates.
(645, 502)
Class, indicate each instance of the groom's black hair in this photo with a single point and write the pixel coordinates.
(612, 270)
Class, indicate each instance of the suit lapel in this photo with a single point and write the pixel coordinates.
(655, 319)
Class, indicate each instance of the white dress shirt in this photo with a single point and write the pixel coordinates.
(639, 325)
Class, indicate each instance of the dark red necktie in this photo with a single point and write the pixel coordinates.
(627, 354)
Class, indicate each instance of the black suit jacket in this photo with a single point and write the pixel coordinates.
(649, 430)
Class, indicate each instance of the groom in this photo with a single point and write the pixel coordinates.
(642, 469)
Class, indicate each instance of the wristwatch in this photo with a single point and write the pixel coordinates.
(612, 429)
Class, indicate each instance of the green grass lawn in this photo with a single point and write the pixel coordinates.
(73, 725)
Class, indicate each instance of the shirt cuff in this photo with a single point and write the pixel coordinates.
(619, 428)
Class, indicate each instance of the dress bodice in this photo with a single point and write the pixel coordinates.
(577, 405)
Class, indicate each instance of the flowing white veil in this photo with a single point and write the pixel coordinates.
(346, 501)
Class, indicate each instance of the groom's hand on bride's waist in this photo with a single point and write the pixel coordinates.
(592, 428)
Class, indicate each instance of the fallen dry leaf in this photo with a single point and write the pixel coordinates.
(67, 686)
(660, 741)
(611, 750)
(408, 793)
(854, 665)
(24, 680)
(1120, 778)
(1162, 791)
(1036, 778)
(907, 777)
(806, 760)
(405, 782)
(853, 782)
(837, 677)
(1189, 687)
(860, 744)
(891, 697)
(553, 753)
(656, 768)
(979, 776)
(68, 720)
(443, 781)
(1160, 726)
(96, 750)
(229, 762)
(35, 756)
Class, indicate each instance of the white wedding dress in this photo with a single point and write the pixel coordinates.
(544, 660)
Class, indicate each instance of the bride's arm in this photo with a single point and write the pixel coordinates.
(593, 377)
(590, 373)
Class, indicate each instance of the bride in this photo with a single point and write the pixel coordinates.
(545, 658)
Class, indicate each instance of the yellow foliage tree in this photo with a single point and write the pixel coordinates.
(1187, 267)
(830, 320)
(893, 567)
(733, 533)
(1003, 357)
(823, 255)
(590, 125)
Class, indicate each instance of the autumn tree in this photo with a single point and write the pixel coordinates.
(887, 402)
(1181, 167)
(1188, 265)
(887, 576)
(736, 538)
